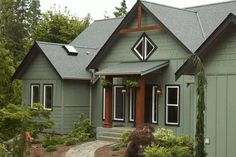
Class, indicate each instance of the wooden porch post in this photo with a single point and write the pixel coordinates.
(107, 123)
(140, 102)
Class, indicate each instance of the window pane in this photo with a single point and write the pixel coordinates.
(172, 114)
(119, 104)
(172, 95)
(132, 104)
(48, 97)
(140, 48)
(35, 94)
(149, 47)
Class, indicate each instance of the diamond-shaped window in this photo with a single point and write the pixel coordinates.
(144, 47)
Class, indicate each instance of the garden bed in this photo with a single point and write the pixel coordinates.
(37, 150)
(108, 151)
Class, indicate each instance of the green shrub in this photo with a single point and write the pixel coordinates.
(3, 150)
(53, 141)
(51, 148)
(124, 139)
(167, 144)
(83, 130)
(156, 151)
(115, 147)
(71, 141)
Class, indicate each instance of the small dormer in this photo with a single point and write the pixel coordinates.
(70, 50)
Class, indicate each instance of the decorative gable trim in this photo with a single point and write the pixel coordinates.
(111, 40)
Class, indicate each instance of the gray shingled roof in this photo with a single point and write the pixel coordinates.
(190, 26)
(212, 15)
(97, 33)
(68, 67)
(133, 68)
(91, 40)
(182, 23)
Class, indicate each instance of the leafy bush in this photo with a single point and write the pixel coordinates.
(167, 144)
(124, 139)
(53, 141)
(3, 150)
(138, 140)
(51, 148)
(13, 118)
(156, 151)
(83, 130)
(71, 141)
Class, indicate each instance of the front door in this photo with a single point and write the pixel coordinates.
(123, 106)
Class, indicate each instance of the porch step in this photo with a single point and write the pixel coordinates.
(111, 134)
(108, 138)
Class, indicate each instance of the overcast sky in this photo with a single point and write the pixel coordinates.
(97, 8)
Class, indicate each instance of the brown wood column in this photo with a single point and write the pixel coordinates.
(107, 123)
(140, 102)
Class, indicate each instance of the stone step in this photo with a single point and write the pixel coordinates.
(111, 134)
(108, 138)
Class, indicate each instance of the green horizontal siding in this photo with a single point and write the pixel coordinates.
(40, 68)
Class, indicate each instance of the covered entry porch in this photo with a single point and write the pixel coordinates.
(130, 106)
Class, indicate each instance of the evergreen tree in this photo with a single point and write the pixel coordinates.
(17, 19)
(9, 91)
(201, 86)
(59, 28)
(122, 10)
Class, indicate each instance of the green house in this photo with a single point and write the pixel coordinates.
(132, 71)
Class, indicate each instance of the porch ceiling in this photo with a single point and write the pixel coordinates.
(133, 68)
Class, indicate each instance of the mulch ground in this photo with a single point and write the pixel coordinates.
(106, 151)
(38, 151)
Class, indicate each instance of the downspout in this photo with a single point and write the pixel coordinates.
(90, 103)
(92, 71)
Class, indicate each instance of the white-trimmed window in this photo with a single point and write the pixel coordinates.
(103, 103)
(48, 96)
(34, 94)
(154, 104)
(172, 104)
(119, 103)
(132, 97)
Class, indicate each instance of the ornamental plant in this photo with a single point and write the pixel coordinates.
(106, 83)
(201, 107)
(132, 84)
(169, 145)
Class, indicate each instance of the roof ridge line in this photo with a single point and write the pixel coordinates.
(182, 9)
(200, 23)
(217, 3)
(114, 18)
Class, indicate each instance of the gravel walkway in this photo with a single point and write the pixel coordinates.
(87, 149)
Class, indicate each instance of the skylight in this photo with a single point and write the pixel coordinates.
(71, 50)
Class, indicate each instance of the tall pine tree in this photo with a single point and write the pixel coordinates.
(122, 10)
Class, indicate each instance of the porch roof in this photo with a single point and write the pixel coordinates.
(133, 68)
